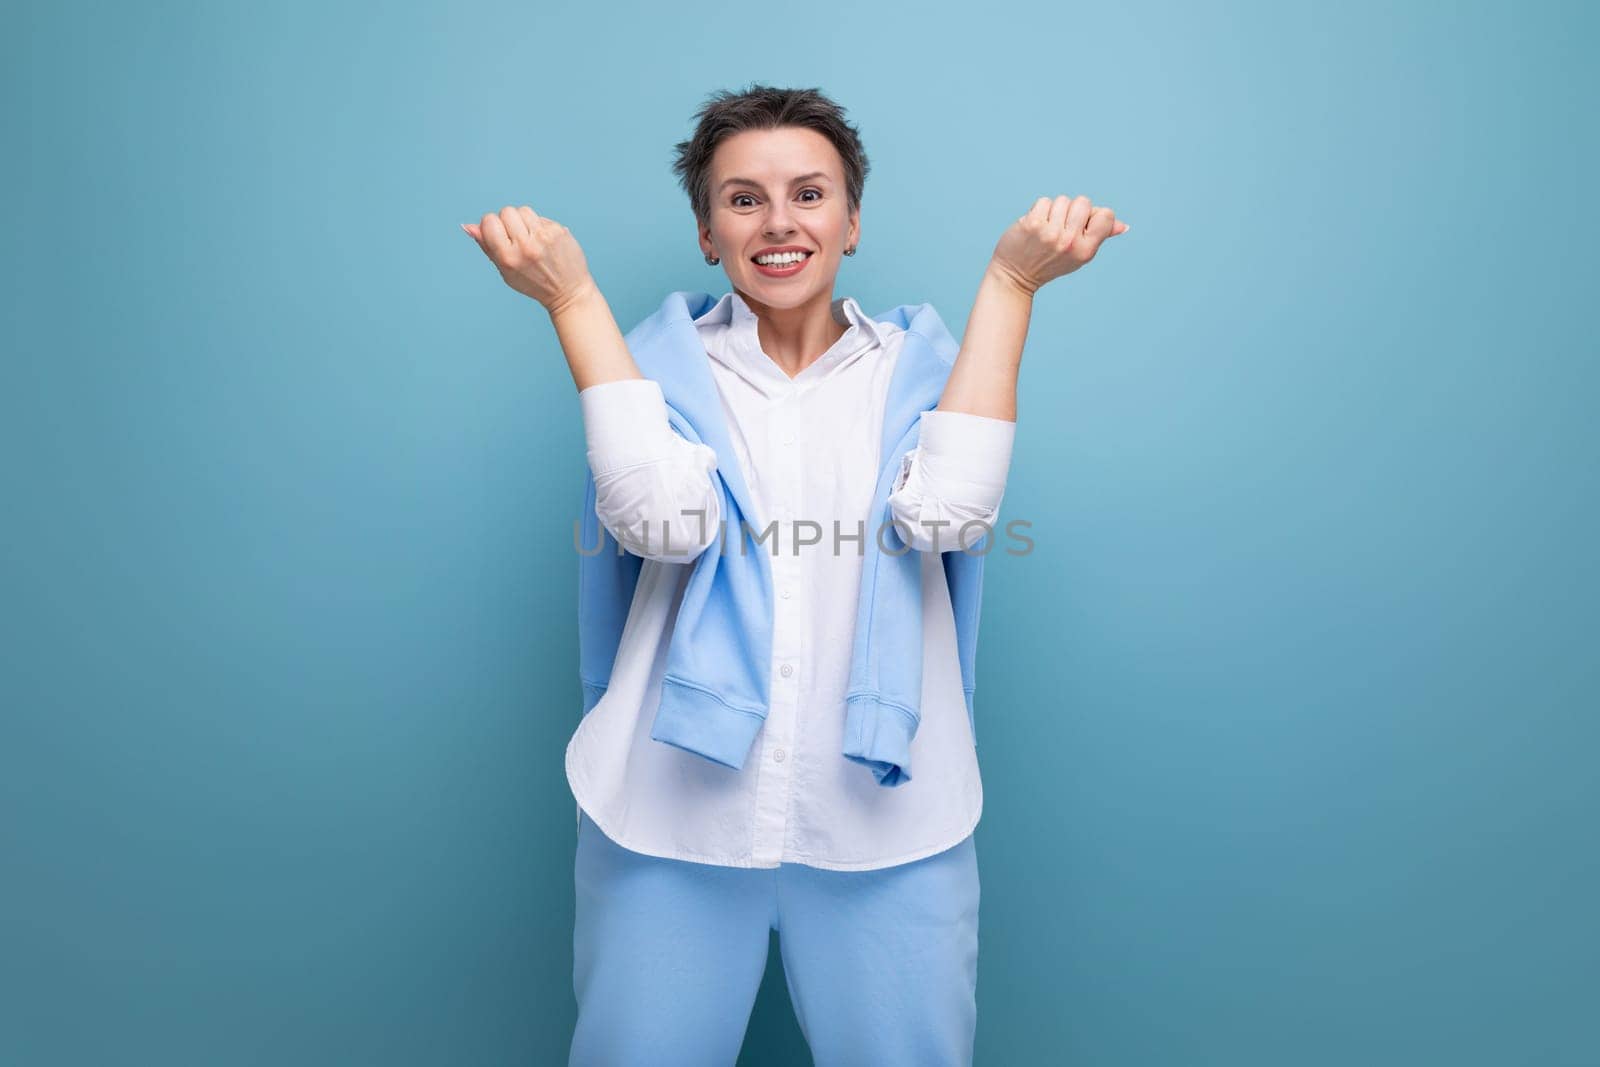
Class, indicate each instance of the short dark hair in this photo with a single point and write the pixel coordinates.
(764, 107)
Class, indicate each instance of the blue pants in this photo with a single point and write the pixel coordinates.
(882, 965)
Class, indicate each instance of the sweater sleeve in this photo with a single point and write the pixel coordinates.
(956, 475)
(651, 484)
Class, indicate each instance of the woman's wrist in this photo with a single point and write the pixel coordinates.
(1001, 273)
(584, 292)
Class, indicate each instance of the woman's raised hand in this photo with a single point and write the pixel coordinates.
(1055, 238)
(536, 256)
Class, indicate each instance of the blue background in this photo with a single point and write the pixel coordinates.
(1288, 721)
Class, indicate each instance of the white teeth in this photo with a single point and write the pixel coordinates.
(781, 259)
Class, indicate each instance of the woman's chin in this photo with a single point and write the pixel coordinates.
(791, 291)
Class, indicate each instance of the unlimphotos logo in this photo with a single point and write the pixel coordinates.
(972, 537)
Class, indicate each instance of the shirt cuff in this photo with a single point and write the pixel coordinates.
(968, 456)
(625, 423)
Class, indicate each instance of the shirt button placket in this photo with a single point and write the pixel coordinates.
(773, 781)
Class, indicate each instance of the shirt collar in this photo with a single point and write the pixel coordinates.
(732, 311)
(732, 308)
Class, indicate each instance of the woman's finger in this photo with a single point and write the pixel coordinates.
(1117, 225)
(516, 229)
(530, 219)
(1078, 215)
(1100, 222)
(495, 239)
(1059, 208)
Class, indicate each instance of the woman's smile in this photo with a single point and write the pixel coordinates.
(783, 270)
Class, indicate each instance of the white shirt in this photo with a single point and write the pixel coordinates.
(810, 451)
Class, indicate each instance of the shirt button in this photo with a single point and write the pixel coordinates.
(788, 438)
(778, 755)
(786, 670)
(787, 594)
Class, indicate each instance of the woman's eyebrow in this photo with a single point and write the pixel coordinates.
(756, 185)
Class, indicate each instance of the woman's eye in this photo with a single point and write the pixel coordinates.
(746, 196)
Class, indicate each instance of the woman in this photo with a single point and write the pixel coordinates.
(706, 821)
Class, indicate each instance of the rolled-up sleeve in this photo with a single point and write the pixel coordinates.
(655, 491)
(955, 477)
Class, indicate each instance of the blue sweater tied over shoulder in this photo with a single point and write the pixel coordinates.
(715, 692)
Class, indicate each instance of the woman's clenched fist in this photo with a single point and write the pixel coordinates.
(536, 256)
(1055, 238)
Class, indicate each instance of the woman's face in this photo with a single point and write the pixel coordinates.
(780, 188)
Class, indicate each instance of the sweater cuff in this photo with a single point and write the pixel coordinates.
(625, 424)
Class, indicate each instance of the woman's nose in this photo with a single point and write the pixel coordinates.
(778, 222)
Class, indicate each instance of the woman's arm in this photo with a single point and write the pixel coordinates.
(984, 378)
(1054, 238)
(540, 258)
(595, 349)
(947, 494)
(655, 491)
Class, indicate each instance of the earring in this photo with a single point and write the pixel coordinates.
(850, 251)
(712, 261)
